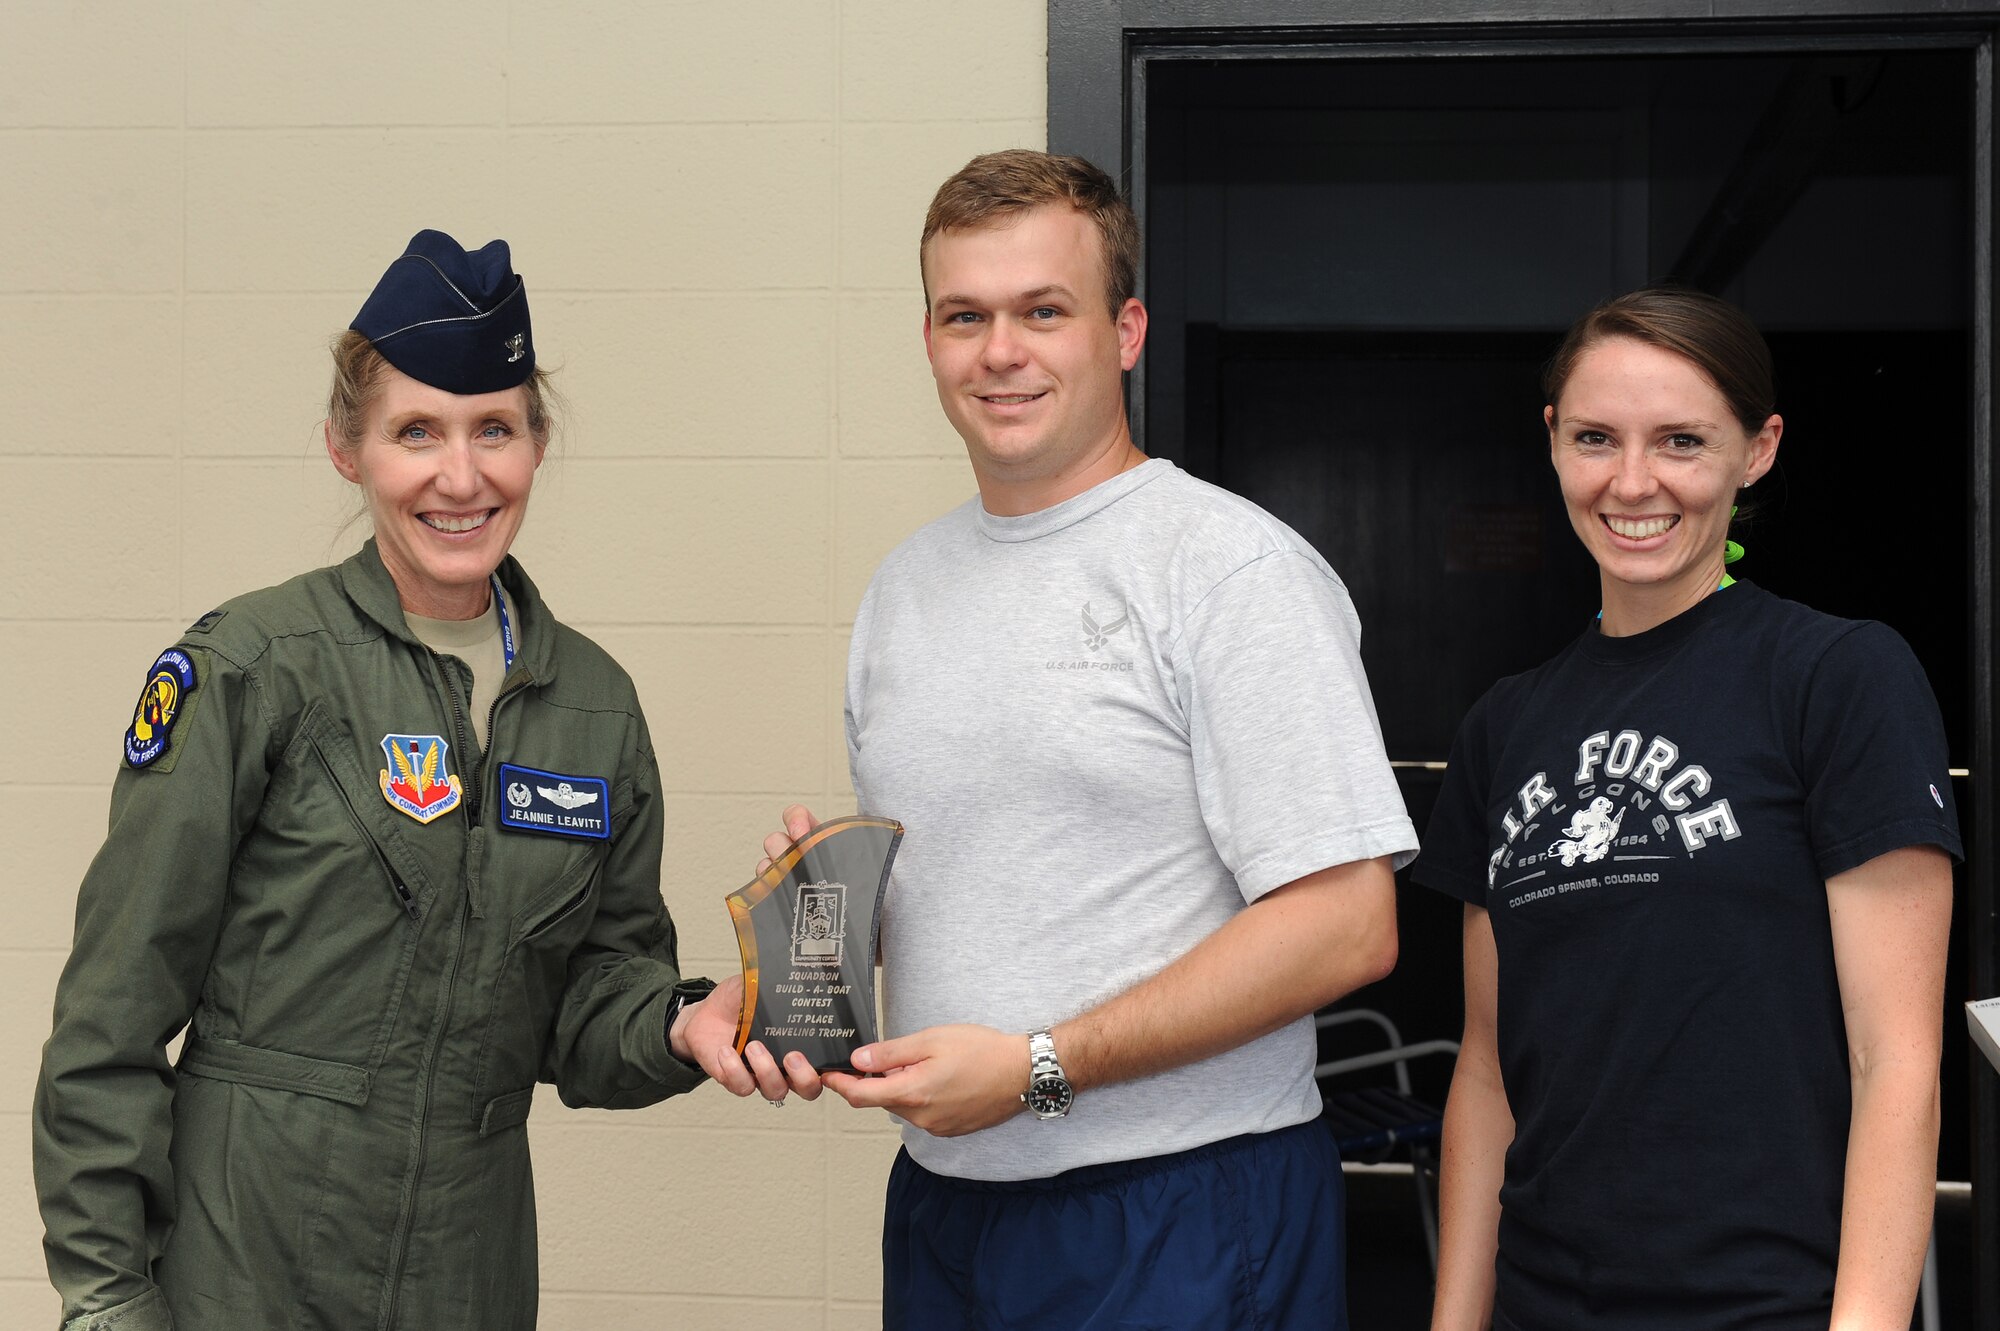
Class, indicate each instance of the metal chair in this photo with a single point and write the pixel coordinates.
(1372, 1122)
(1375, 1121)
(1927, 1288)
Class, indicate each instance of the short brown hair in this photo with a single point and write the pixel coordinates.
(357, 375)
(1001, 185)
(1706, 331)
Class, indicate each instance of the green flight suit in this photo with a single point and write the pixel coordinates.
(370, 999)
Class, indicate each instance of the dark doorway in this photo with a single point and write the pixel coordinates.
(1356, 267)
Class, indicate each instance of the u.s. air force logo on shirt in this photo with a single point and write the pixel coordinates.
(532, 800)
(1099, 639)
(1631, 804)
(418, 780)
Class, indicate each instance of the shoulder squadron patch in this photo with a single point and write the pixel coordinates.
(418, 780)
(169, 685)
(538, 801)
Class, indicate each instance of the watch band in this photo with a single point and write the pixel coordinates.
(680, 996)
(1049, 1093)
(1042, 1061)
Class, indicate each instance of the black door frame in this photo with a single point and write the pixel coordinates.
(1100, 55)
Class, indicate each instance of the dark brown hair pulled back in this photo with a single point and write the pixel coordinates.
(1706, 331)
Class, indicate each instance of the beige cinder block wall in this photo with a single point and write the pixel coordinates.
(716, 208)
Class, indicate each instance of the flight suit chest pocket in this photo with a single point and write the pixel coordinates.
(325, 911)
(334, 750)
(555, 915)
(544, 936)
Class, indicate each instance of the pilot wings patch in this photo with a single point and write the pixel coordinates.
(566, 795)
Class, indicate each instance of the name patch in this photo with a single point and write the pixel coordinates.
(532, 800)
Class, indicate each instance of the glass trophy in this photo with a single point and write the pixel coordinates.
(808, 928)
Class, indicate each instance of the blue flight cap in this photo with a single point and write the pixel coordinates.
(450, 318)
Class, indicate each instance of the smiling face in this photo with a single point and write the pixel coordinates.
(446, 478)
(1028, 360)
(1650, 457)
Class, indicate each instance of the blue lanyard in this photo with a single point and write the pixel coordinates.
(506, 628)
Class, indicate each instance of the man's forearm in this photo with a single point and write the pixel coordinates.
(1290, 952)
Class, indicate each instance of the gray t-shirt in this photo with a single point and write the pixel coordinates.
(1107, 726)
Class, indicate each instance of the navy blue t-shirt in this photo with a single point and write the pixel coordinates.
(1650, 822)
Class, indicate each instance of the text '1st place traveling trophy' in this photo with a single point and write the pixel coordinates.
(808, 928)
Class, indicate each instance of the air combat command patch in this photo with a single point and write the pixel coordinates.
(418, 781)
(169, 687)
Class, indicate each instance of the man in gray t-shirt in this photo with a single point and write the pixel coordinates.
(1151, 827)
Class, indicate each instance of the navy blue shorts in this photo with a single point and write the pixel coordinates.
(1245, 1234)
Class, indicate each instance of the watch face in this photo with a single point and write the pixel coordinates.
(1050, 1097)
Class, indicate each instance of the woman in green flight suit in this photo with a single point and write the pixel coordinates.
(387, 842)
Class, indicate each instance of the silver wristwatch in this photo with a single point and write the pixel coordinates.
(1049, 1093)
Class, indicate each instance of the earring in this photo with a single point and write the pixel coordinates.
(1747, 484)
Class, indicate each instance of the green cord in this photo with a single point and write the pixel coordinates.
(1731, 552)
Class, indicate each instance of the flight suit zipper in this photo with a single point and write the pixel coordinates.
(475, 771)
(511, 685)
(472, 787)
(399, 1243)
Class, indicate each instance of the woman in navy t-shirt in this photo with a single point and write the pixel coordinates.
(1706, 859)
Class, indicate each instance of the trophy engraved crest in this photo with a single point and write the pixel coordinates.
(821, 925)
